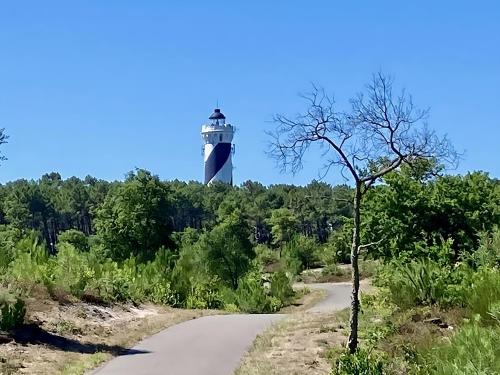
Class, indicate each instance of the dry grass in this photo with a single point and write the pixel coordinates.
(300, 343)
(307, 299)
(77, 336)
(297, 345)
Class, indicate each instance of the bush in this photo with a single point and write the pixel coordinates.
(31, 264)
(251, 296)
(488, 252)
(361, 362)
(420, 282)
(76, 238)
(205, 295)
(265, 256)
(483, 292)
(182, 280)
(474, 349)
(254, 296)
(426, 282)
(338, 247)
(12, 311)
(300, 253)
(70, 270)
(8, 239)
(281, 288)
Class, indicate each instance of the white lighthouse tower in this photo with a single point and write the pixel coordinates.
(218, 150)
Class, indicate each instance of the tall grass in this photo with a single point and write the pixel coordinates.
(421, 282)
(426, 282)
(12, 310)
(362, 362)
(483, 293)
(474, 349)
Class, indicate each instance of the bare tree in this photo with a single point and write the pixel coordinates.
(379, 133)
(3, 139)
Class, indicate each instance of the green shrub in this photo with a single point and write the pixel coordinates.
(148, 281)
(338, 247)
(281, 288)
(109, 282)
(361, 362)
(189, 270)
(256, 296)
(423, 282)
(12, 311)
(70, 270)
(300, 253)
(205, 296)
(76, 238)
(368, 268)
(417, 283)
(488, 252)
(8, 238)
(31, 264)
(474, 349)
(251, 296)
(483, 292)
(265, 256)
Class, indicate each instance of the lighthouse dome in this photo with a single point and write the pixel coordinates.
(217, 115)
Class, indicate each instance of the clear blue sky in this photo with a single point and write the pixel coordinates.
(101, 87)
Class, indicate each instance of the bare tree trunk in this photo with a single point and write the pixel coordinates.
(353, 321)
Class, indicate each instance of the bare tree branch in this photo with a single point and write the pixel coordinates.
(361, 247)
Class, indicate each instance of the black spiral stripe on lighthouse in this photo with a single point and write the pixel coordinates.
(216, 160)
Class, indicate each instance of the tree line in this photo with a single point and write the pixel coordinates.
(138, 215)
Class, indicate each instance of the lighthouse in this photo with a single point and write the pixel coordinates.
(218, 149)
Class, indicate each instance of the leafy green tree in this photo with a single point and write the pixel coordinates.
(410, 209)
(136, 217)
(300, 253)
(283, 224)
(228, 249)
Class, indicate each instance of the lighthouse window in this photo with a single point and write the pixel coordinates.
(220, 138)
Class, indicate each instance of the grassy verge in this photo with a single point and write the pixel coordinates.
(420, 340)
(299, 344)
(296, 345)
(305, 298)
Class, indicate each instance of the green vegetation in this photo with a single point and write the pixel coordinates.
(181, 244)
(440, 219)
(474, 349)
(12, 311)
(359, 363)
(437, 310)
(434, 241)
(88, 363)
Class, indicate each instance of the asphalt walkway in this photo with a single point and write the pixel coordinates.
(211, 345)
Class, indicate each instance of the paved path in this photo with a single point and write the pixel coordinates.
(212, 345)
(338, 296)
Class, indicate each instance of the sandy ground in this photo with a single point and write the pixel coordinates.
(72, 337)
